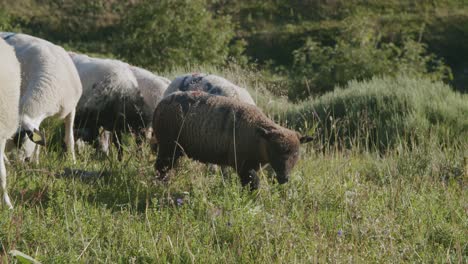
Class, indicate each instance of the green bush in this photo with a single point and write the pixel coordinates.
(382, 112)
(318, 69)
(169, 33)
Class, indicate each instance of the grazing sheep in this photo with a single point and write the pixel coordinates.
(116, 97)
(10, 82)
(223, 131)
(211, 84)
(50, 86)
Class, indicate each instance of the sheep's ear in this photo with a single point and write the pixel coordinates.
(305, 139)
(264, 133)
(37, 137)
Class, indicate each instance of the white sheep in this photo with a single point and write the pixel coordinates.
(211, 84)
(151, 87)
(50, 86)
(116, 96)
(10, 82)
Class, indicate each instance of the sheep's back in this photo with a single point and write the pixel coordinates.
(228, 88)
(103, 81)
(50, 83)
(151, 87)
(211, 84)
(204, 126)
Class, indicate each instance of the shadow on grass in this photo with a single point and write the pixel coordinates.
(83, 175)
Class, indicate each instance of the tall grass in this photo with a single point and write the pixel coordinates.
(406, 206)
(384, 112)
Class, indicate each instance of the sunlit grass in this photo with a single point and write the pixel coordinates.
(409, 205)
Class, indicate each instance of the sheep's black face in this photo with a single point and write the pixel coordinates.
(20, 137)
(36, 136)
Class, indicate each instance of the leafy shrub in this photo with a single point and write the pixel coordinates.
(317, 69)
(168, 33)
(382, 112)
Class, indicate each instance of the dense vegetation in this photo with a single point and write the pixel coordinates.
(173, 33)
(381, 85)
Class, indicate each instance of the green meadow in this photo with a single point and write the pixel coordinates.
(355, 195)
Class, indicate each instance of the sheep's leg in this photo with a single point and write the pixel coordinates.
(248, 176)
(35, 154)
(104, 141)
(153, 144)
(3, 174)
(154, 147)
(117, 138)
(162, 166)
(6, 160)
(69, 139)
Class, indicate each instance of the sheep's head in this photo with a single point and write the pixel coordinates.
(283, 150)
(22, 135)
(24, 142)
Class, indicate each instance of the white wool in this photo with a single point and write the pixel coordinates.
(151, 87)
(103, 80)
(10, 82)
(50, 84)
(212, 84)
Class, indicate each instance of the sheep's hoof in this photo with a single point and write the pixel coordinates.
(6, 198)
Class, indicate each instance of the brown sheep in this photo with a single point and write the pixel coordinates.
(202, 126)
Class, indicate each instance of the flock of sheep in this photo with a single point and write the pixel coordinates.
(204, 117)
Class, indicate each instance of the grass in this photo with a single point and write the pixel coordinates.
(408, 204)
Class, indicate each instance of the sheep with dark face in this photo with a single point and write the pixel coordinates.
(211, 84)
(223, 131)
